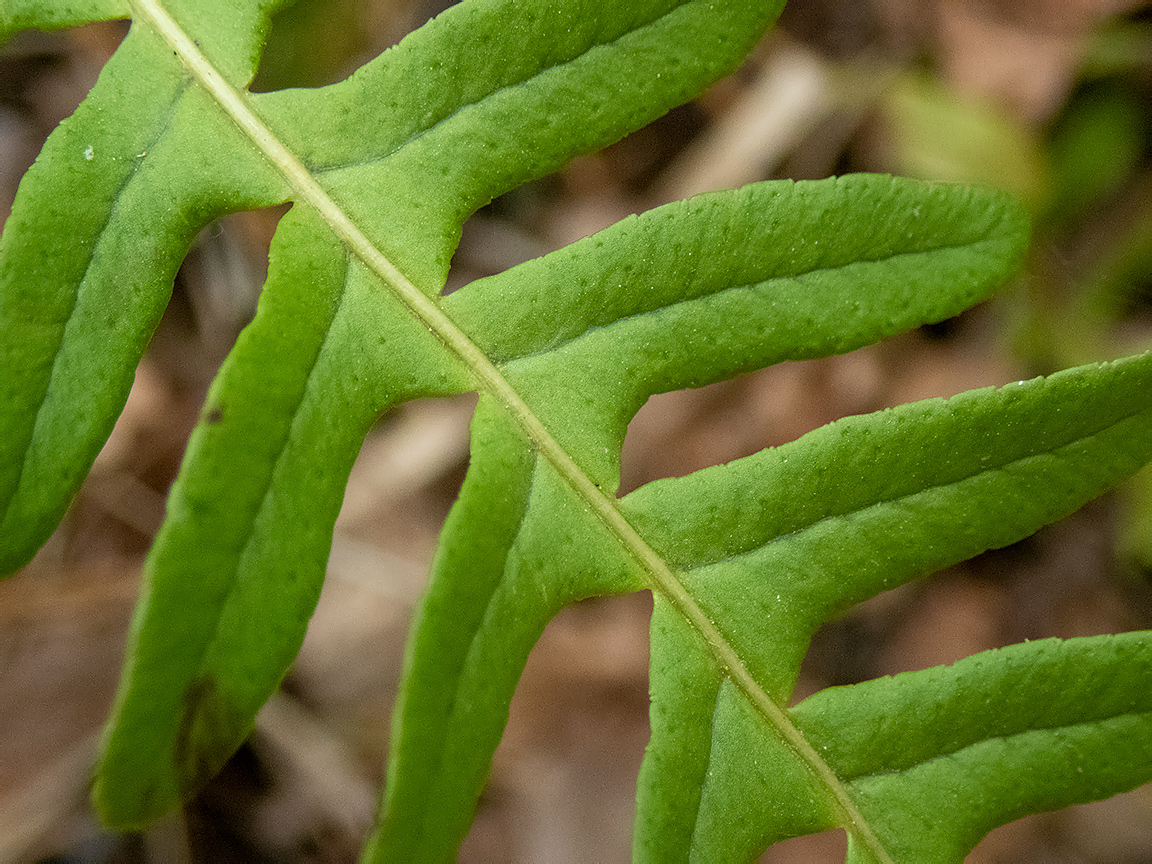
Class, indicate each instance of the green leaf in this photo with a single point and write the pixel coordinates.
(76, 316)
(745, 560)
(1031, 727)
(886, 498)
(19, 15)
(584, 336)
(936, 133)
(250, 518)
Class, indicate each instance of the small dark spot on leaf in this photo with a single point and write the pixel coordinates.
(214, 416)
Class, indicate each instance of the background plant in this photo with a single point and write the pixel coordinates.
(461, 301)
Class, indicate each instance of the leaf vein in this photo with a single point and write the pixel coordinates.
(1006, 738)
(81, 286)
(321, 168)
(489, 379)
(246, 549)
(762, 287)
(1057, 452)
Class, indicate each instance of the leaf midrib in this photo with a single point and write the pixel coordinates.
(1008, 739)
(760, 285)
(45, 397)
(1050, 450)
(488, 379)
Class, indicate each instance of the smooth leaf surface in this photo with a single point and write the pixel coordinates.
(745, 560)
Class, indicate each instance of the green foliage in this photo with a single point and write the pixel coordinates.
(745, 560)
(936, 134)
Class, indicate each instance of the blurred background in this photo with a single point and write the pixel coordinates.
(1049, 99)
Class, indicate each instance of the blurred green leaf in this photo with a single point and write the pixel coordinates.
(935, 134)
